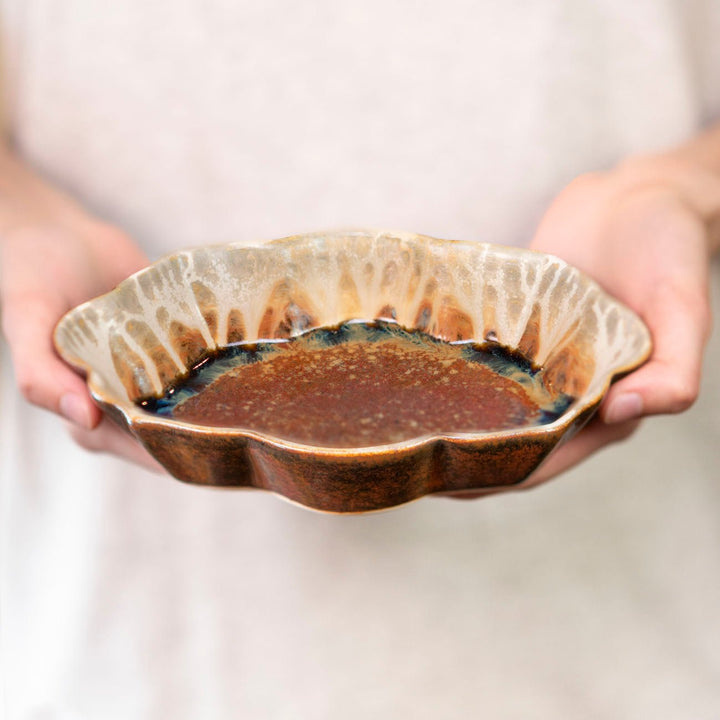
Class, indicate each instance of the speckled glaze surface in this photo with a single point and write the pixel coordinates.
(160, 322)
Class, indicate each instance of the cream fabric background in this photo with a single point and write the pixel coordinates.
(127, 595)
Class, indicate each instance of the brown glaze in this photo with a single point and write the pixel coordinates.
(363, 385)
(142, 339)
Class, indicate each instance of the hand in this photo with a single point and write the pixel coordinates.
(643, 232)
(53, 257)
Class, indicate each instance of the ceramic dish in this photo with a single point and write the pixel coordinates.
(136, 341)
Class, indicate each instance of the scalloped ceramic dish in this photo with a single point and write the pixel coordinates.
(137, 340)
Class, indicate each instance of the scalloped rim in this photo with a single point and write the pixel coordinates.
(135, 416)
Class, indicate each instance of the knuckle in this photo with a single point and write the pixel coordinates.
(682, 395)
(29, 388)
(32, 385)
(588, 180)
(582, 184)
(109, 235)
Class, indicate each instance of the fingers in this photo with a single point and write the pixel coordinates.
(46, 381)
(109, 438)
(44, 273)
(43, 379)
(589, 440)
(670, 381)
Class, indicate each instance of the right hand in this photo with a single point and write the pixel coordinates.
(52, 258)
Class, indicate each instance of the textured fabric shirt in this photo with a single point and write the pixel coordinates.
(129, 595)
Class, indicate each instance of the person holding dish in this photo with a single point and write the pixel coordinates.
(126, 594)
(649, 227)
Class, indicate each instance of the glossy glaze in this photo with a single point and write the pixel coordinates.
(362, 385)
(147, 334)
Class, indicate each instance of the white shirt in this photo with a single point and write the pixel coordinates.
(129, 595)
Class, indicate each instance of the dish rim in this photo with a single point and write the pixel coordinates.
(133, 415)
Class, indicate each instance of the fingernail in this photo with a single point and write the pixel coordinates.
(75, 410)
(626, 407)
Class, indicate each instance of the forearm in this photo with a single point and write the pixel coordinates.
(704, 151)
(692, 171)
(28, 200)
(53, 256)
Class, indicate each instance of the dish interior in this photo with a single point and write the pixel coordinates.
(362, 384)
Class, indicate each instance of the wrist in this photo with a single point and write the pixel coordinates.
(27, 201)
(690, 182)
